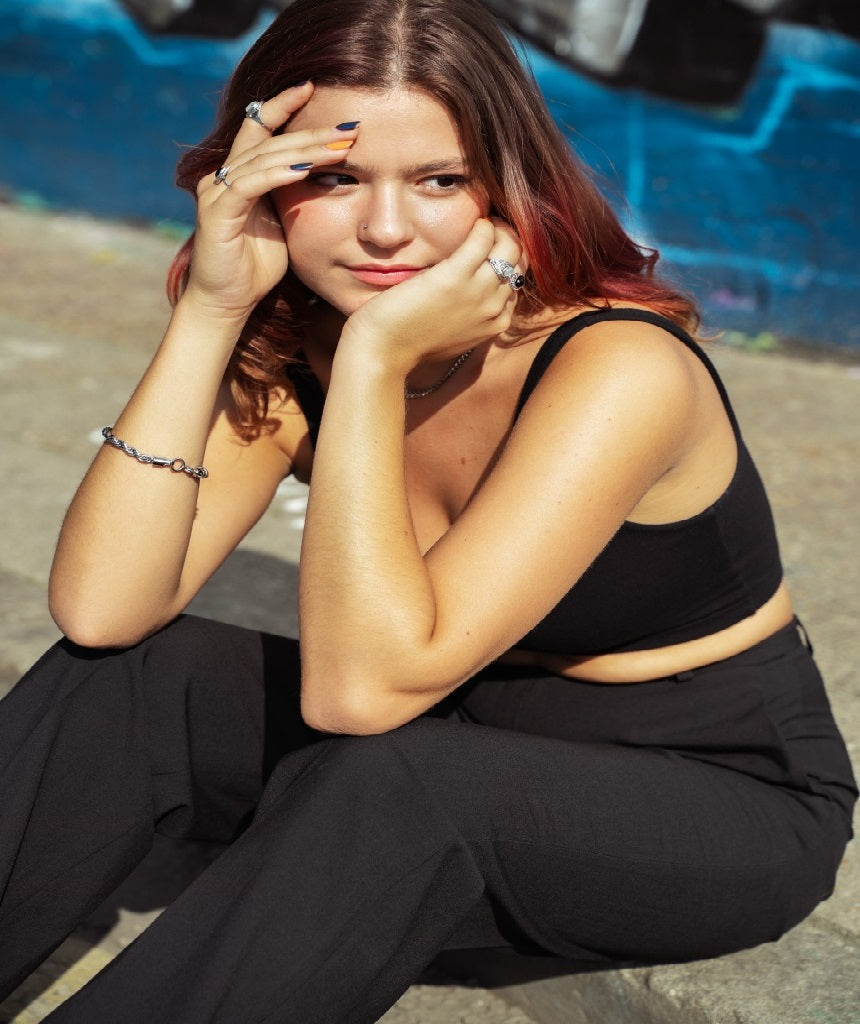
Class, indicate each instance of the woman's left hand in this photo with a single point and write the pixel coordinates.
(452, 306)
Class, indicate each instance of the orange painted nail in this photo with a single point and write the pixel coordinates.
(345, 144)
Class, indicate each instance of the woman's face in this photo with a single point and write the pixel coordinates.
(402, 200)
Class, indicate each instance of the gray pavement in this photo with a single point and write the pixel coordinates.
(82, 308)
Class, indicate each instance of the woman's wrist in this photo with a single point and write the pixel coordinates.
(366, 349)
(226, 324)
(363, 356)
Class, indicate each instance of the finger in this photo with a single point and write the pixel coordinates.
(469, 256)
(274, 114)
(470, 261)
(489, 238)
(311, 145)
(235, 191)
(508, 243)
(508, 260)
(237, 185)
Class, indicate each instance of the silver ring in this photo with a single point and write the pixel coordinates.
(506, 271)
(253, 111)
(221, 176)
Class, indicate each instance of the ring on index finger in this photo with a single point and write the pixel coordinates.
(506, 271)
(253, 112)
(221, 176)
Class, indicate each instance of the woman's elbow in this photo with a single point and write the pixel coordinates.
(342, 721)
(92, 636)
(351, 711)
(98, 630)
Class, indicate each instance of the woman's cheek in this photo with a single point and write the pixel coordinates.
(332, 284)
(449, 228)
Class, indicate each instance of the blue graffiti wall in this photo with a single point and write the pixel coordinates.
(754, 208)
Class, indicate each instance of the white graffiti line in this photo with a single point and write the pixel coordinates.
(797, 77)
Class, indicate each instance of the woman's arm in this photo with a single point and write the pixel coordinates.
(139, 541)
(388, 630)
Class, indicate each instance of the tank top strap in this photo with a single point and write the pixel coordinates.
(562, 334)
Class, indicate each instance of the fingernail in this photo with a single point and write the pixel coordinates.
(340, 145)
(300, 167)
(347, 126)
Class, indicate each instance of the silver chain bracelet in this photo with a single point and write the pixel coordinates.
(176, 465)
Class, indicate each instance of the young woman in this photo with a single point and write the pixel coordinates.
(552, 694)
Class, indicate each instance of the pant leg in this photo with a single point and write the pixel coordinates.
(368, 853)
(325, 909)
(98, 749)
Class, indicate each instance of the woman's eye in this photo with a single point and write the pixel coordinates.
(331, 180)
(445, 182)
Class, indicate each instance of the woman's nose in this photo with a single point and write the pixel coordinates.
(386, 222)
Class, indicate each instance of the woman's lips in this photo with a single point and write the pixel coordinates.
(384, 276)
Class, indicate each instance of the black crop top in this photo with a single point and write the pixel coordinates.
(652, 585)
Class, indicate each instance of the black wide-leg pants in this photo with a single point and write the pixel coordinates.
(595, 822)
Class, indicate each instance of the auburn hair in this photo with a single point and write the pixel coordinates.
(456, 52)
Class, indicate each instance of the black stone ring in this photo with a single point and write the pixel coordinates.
(506, 271)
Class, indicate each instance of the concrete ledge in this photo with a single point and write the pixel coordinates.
(810, 976)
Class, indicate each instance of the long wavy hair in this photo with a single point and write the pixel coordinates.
(455, 51)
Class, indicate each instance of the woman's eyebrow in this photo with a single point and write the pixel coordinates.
(454, 165)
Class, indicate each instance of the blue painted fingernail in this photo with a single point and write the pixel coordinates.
(347, 126)
(300, 167)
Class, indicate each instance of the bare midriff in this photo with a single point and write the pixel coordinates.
(642, 666)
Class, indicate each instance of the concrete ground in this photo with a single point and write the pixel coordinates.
(81, 310)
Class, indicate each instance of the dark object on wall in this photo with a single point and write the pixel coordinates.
(841, 16)
(702, 52)
(217, 19)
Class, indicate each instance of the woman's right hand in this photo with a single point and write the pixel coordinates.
(240, 252)
(110, 588)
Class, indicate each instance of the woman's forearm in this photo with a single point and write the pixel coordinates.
(123, 543)
(366, 599)
(380, 642)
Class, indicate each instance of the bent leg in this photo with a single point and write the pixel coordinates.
(97, 749)
(324, 910)
(369, 853)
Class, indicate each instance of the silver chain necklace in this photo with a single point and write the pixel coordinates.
(452, 369)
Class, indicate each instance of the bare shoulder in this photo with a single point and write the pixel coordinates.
(637, 343)
(629, 361)
(641, 405)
